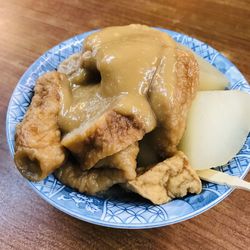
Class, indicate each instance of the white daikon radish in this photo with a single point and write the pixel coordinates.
(217, 126)
(210, 77)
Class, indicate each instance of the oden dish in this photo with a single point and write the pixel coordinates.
(92, 121)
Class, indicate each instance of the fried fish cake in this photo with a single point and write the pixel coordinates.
(38, 151)
(118, 168)
(103, 135)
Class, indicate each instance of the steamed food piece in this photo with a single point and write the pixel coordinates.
(125, 160)
(103, 135)
(38, 151)
(170, 94)
(217, 127)
(210, 78)
(169, 179)
(91, 181)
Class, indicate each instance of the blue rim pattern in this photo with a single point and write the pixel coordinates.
(126, 210)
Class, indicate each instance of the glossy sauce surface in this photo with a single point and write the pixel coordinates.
(128, 58)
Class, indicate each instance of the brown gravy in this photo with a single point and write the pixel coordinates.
(127, 59)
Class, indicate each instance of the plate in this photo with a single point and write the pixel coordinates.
(116, 209)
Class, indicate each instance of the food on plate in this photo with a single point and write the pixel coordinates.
(217, 126)
(171, 91)
(209, 77)
(102, 136)
(124, 160)
(115, 113)
(171, 178)
(38, 150)
(92, 181)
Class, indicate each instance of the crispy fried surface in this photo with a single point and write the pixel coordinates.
(38, 151)
(171, 103)
(102, 136)
(169, 179)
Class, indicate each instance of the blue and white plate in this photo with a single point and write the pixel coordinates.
(125, 210)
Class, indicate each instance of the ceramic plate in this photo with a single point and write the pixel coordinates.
(125, 210)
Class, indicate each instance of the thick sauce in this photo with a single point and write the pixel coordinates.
(128, 59)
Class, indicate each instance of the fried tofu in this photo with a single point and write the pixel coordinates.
(38, 151)
(166, 180)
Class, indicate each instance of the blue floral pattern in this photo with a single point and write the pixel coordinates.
(120, 209)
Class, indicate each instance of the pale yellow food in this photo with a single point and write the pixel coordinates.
(210, 78)
(217, 126)
(38, 151)
(169, 179)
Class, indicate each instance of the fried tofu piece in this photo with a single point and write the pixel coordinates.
(103, 135)
(171, 97)
(114, 169)
(169, 179)
(91, 181)
(125, 160)
(38, 151)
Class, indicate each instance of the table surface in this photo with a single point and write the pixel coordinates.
(27, 29)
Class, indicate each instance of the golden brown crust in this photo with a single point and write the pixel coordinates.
(102, 136)
(175, 105)
(169, 179)
(140, 84)
(38, 151)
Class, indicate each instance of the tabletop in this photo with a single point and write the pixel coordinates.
(27, 29)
